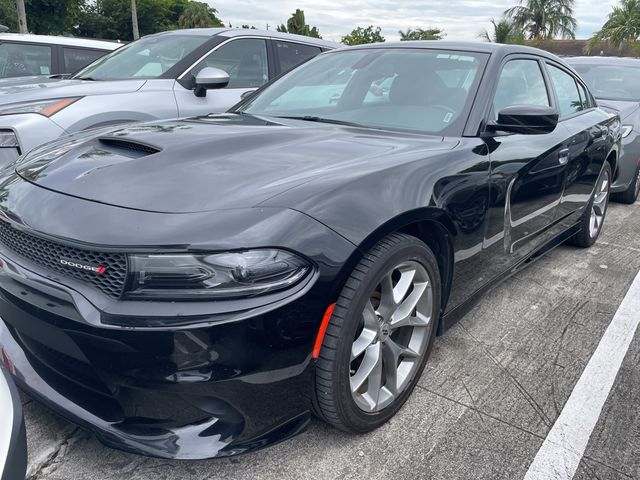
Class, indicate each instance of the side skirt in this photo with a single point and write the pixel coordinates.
(452, 317)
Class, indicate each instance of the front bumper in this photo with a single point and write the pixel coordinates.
(184, 394)
(31, 130)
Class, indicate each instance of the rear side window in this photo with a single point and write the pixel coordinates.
(585, 97)
(245, 60)
(76, 58)
(521, 83)
(293, 54)
(18, 60)
(569, 100)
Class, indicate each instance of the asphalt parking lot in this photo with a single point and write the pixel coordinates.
(492, 391)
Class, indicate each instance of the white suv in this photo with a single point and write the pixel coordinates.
(160, 76)
(34, 55)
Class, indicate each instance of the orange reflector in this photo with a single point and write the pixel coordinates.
(56, 107)
(322, 330)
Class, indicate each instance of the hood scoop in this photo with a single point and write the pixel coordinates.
(128, 148)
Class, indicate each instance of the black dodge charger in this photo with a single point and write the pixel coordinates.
(197, 288)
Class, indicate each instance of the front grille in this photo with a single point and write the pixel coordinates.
(48, 254)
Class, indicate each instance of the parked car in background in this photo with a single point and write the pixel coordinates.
(195, 288)
(43, 55)
(615, 82)
(160, 76)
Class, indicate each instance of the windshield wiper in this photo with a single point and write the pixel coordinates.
(89, 79)
(311, 118)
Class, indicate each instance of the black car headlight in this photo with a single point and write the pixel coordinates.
(215, 276)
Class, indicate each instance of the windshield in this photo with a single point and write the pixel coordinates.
(422, 90)
(609, 82)
(149, 57)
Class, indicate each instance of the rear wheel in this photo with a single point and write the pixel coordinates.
(379, 336)
(593, 217)
(630, 195)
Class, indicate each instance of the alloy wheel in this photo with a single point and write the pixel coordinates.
(392, 337)
(599, 205)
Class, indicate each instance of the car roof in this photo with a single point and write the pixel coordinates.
(243, 32)
(67, 41)
(605, 61)
(476, 47)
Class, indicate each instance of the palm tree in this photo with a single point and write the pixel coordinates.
(134, 20)
(504, 31)
(22, 17)
(622, 26)
(544, 19)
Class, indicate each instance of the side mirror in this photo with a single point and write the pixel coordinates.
(13, 439)
(525, 119)
(210, 78)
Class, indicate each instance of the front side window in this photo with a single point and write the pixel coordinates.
(416, 89)
(245, 60)
(147, 58)
(521, 83)
(18, 60)
(569, 101)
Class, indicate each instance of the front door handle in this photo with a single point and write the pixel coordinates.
(563, 156)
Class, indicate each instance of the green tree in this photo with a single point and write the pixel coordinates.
(297, 24)
(199, 15)
(9, 15)
(361, 36)
(623, 25)
(504, 31)
(53, 17)
(111, 19)
(544, 19)
(422, 34)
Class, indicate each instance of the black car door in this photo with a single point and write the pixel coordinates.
(586, 144)
(527, 171)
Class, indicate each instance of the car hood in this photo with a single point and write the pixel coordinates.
(215, 162)
(14, 81)
(624, 108)
(47, 89)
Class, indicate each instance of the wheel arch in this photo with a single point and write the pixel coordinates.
(431, 225)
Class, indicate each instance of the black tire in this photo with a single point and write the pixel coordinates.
(334, 401)
(630, 195)
(585, 236)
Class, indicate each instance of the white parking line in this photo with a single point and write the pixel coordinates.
(562, 450)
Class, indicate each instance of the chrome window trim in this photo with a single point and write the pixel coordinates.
(258, 37)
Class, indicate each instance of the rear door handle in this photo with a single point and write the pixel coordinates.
(563, 156)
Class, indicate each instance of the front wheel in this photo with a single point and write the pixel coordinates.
(379, 336)
(592, 219)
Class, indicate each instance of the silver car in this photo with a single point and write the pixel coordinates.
(166, 75)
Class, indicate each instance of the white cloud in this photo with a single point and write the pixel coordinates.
(461, 19)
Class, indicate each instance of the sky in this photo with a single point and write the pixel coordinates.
(460, 19)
